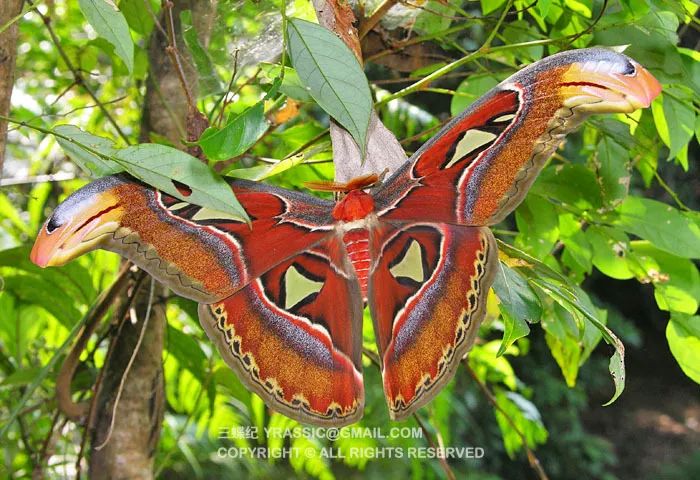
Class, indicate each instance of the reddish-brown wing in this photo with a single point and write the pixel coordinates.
(294, 336)
(427, 294)
(200, 253)
(478, 168)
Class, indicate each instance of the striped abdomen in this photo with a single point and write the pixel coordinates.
(357, 245)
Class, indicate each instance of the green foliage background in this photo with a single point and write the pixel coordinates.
(618, 201)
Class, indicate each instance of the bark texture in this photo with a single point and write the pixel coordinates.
(9, 9)
(133, 441)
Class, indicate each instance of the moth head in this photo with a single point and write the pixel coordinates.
(82, 222)
(605, 81)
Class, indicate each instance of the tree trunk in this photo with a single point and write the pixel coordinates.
(133, 437)
(9, 9)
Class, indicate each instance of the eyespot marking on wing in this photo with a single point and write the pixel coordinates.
(472, 140)
(208, 214)
(298, 287)
(411, 264)
(504, 118)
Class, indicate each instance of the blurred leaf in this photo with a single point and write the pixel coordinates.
(110, 24)
(470, 90)
(488, 6)
(208, 81)
(332, 76)
(187, 351)
(236, 136)
(261, 172)
(683, 334)
(664, 226)
(139, 20)
(525, 417)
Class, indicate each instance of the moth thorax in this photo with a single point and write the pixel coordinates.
(356, 205)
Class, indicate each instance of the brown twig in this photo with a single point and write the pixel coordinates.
(37, 473)
(535, 463)
(174, 54)
(369, 23)
(77, 74)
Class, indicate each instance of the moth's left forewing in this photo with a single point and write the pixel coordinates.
(427, 295)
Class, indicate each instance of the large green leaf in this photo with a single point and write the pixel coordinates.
(683, 334)
(332, 76)
(664, 226)
(180, 175)
(612, 169)
(111, 25)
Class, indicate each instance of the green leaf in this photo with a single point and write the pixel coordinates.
(538, 225)
(92, 164)
(676, 280)
(612, 169)
(165, 168)
(570, 184)
(683, 335)
(610, 247)
(261, 172)
(138, 19)
(572, 302)
(20, 377)
(162, 166)
(675, 119)
(332, 76)
(110, 24)
(237, 136)
(519, 304)
(664, 226)
(488, 6)
(187, 351)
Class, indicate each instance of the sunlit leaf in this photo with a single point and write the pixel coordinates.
(683, 334)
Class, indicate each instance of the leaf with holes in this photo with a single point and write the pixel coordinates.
(180, 175)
